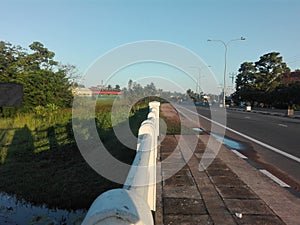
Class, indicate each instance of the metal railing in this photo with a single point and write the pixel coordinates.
(134, 202)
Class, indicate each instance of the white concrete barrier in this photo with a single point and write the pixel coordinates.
(119, 206)
(133, 203)
(154, 107)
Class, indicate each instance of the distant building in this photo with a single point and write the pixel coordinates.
(82, 92)
(292, 77)
(100, 90)
(106, 92)
(96, 91)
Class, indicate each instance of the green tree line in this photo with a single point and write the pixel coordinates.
(144, 94)
(44, 80)
(263, 83)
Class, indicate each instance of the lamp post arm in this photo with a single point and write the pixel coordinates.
(225, 64)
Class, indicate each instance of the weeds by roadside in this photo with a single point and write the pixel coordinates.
(41, 163)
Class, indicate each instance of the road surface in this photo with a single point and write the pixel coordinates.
(270, 142)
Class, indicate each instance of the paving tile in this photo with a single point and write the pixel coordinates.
(248, 206)
(198, 155)
(187, 220)
(168, 145)
(184, 206)
(227, 181)
(222, 172)
(236, 192)
(173, 166)
(217, 166)
(259, 220)
(218, 211)
(183, 178)
(181, 191)
(174, 153)
(172, 159)
(213, 201)
(184, 172)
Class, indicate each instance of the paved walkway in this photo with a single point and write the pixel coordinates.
(229, 191)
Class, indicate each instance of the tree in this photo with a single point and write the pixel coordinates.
(246, 76)
(257, 81)
(43, 82)
(246, 87)
(271, 69)
(71, 72)
(130, 83)
(195, 96)
(137, 90)
(10, 56)
(150, 89)
(287, 95)
(41, 58)
(191, 94)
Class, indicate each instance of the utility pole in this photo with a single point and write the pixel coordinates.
(233, 75)
(198, 87)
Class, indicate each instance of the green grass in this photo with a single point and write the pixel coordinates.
(40, 161)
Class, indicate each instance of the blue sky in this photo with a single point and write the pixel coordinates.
(81, 31)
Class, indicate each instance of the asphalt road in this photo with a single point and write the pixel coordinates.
(271, 142)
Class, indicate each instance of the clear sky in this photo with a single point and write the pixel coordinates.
(80, 31)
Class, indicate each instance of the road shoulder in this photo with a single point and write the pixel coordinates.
(242, 189)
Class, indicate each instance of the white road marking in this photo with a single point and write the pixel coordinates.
(239, 154)
(288, 155)
(247, 117)
(276, 179)
(282, 125)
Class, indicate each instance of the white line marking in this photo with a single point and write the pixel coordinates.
(282, 125)
(239, 154)
(276, 179)
(288, 155)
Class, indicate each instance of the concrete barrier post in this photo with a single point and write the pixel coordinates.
(154, 106)
(290, 112)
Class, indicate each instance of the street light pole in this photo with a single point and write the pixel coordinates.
(232, 81)
(198, 79)
(225, 63)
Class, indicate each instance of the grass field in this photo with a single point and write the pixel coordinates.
(40, 161)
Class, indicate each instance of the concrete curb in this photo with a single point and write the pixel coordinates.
(266, 113)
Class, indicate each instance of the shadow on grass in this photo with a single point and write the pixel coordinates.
(57, 175)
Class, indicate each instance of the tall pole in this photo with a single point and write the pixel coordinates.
(198, 79)
(232, 80)
(224, 78)
(225, 64)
